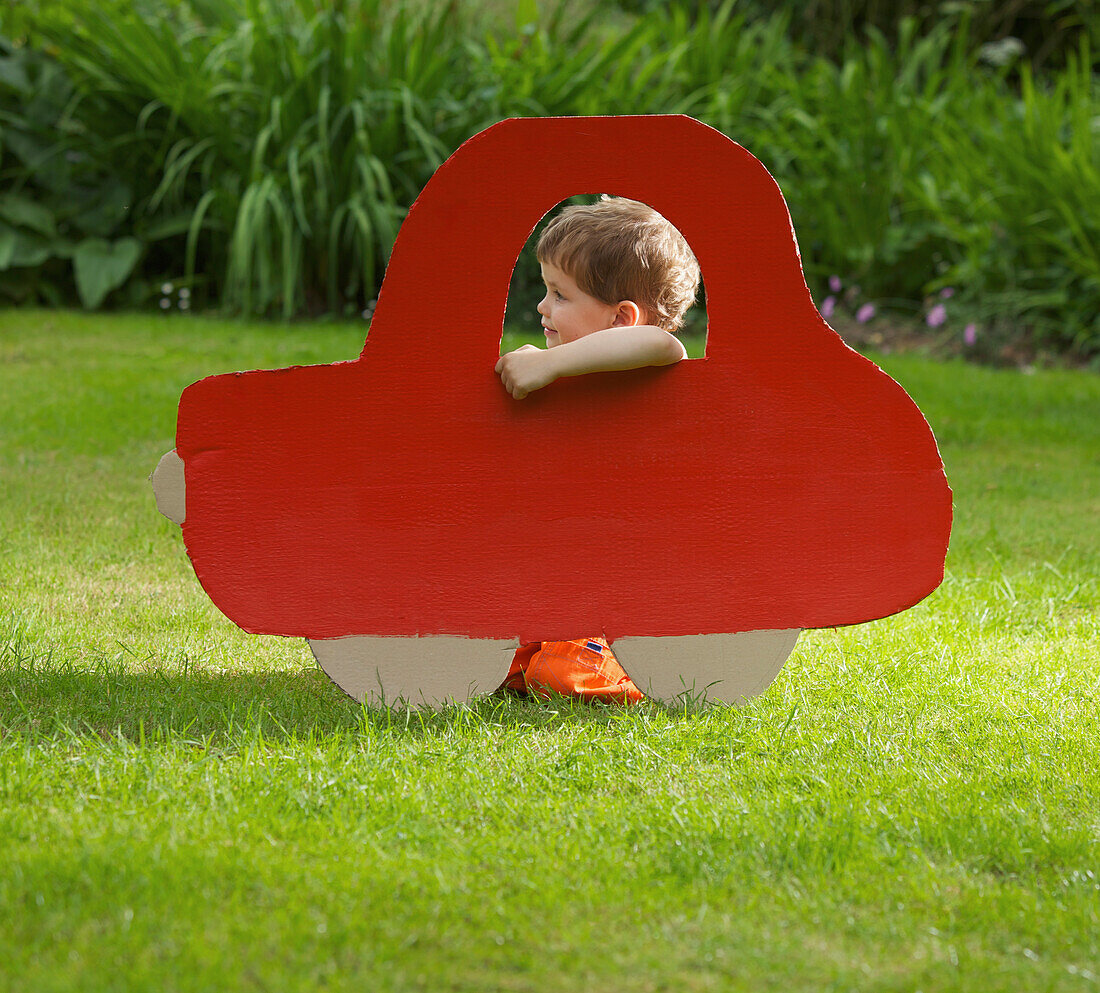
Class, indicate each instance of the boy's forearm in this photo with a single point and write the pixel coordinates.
(616, 349)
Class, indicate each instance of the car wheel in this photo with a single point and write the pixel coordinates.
(728, 668)
(430, 671)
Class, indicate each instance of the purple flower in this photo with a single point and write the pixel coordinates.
(835, 284)
(947, 292)
(936, 316)
(970, 334)
(827, 307)
(865, 313)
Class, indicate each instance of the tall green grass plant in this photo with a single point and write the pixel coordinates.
(272, 145)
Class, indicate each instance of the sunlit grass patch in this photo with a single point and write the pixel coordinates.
(913, 803)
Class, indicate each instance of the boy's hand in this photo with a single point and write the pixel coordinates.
(525, 370)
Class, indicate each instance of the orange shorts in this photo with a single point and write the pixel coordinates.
(586, 668)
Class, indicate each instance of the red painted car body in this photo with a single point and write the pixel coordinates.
(784, 481)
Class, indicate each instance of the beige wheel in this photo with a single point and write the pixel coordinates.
(169, 488)
(414, 671)
(718, 667)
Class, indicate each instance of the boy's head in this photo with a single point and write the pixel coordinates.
(618, 251)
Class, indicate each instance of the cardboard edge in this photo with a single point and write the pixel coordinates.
(169, 487)
(414, 672)
(729, 668)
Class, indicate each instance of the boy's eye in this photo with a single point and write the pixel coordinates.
(558, 295)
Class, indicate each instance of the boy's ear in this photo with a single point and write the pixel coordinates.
(627, 315)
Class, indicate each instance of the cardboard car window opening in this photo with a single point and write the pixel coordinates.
(415, 523)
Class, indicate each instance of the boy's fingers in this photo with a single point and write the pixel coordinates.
(508, 374)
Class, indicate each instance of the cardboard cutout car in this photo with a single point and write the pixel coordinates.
(415, 523)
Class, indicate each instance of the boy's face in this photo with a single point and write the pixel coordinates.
(567, 312)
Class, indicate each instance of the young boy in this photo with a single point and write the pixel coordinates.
(619, 279)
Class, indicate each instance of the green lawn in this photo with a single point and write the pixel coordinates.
(914, 804)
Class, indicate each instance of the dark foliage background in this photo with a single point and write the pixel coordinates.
(258, 156)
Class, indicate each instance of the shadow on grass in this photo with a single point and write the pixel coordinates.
(107, 700)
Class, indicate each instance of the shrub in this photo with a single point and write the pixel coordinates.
(275, 145)
(264, 152)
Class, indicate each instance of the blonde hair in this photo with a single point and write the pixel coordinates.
(618, 249)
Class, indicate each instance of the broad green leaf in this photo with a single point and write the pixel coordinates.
(19, 249)
(165, 227)
(7, 246)
(30, 250)
(107, 207)
(101, 266)
(20, 210)
(62, 248)
(14, 75)
(29, 149)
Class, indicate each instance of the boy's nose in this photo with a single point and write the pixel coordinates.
(542, 305)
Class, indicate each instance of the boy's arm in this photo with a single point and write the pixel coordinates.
(529, 368)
